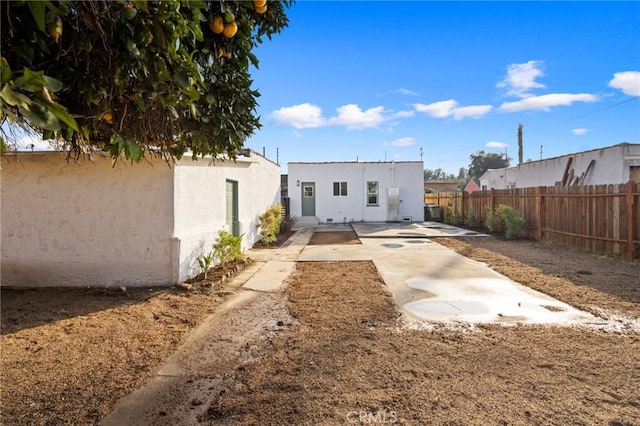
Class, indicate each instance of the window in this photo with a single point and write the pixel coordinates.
(308, 191)
(372, 193)
(339, 189)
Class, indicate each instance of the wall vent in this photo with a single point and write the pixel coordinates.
(329, 220)
(406, 218)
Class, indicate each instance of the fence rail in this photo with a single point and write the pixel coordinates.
(601, 219)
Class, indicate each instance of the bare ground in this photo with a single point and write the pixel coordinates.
(68, 355)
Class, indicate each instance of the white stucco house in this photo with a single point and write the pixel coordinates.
(89, 223)
(616, 164)
(357, 191)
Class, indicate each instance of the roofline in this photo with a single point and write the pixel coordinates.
(621, 144)
(353, 162)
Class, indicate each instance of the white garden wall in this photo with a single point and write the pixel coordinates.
(612, 166)
(407, 176)
(85, 223)
(200, 204)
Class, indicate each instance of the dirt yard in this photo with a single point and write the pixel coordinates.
(340, 355)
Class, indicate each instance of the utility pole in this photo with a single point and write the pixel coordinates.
(420, 153)
(520, 148)
(278, 156)
(541, 152)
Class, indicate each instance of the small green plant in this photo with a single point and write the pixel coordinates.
(205, 262)
(269, 223)
(227, 247)
(471, 221)
(452, 217)
(287, 224)
(493, 221)
(505, 220)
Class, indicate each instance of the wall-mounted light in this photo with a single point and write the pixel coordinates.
(297, 183)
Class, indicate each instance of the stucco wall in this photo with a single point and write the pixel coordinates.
(86, 223)
(611, 167)
(407, 176)
(200, 204)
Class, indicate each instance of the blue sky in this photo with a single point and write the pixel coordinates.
(375, 80)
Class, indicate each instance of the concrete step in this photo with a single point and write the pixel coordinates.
(306, 222)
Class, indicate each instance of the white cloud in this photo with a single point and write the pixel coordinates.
(301, 116)
(25, 144)
(440, 109)
(475, 111)
(402, 114)
(450, 108)
(579, 132)
(403, 91)
(545, 102)
(496, 144)
(627, 81)
(304, 116)
(353, 117)
(521, 79)
(408, 141)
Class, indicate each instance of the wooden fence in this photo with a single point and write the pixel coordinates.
(601, 219)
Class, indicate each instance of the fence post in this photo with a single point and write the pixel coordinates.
(630, 223)
(538, 230)
(492, 200)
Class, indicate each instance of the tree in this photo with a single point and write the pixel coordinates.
(481, 162)
(133, 76)
(437, 174)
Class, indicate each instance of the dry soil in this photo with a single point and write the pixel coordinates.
(339, 354)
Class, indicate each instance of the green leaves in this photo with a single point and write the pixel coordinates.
(156, 67)
(119, 145)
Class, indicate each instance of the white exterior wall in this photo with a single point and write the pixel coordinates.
(200, 204)
(84, 224)
(407, 176)
(611, 167)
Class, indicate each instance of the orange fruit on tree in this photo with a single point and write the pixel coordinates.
(217, 26)
(259, 3)
(261, 9)
(230, 29)
(108, 117)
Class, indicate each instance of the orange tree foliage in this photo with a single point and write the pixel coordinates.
(135, 76)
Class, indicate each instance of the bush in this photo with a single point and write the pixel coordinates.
(269, 223)
(450, 217)
(505, 220)
(471, 221)
(287, 224)
(227, 247)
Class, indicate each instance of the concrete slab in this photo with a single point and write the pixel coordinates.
(433, 283)
(271, 276)
(410, 230)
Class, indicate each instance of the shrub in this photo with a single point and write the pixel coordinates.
(269, 223)
(227, 247)
(287, 224)
(450, 217)
(471, 221)
(505, 220)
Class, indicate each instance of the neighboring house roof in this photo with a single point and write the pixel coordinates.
(472, 186)
(441, 186)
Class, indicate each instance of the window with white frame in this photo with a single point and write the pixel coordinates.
(339, 189)
(372, 193)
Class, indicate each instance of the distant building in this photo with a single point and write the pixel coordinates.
(472, 186)
(357, 191)
(611, 165)
(440, 186)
